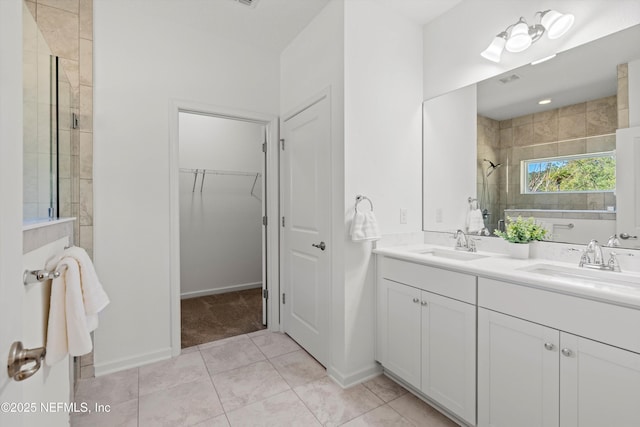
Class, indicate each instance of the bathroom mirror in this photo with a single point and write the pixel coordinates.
(527, 158)
(48, 105)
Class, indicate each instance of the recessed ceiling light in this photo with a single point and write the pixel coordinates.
(544, 101)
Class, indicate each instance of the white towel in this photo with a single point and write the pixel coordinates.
(76, 299)
(364, 227)
(475, 222)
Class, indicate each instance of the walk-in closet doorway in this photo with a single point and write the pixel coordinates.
(223, 241)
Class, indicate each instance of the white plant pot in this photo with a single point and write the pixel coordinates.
(519, 250)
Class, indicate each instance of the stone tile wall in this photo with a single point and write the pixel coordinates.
(623, 96)
(488, 188)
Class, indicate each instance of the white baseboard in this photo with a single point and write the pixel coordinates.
(222, 290)
(354, 378)
(131, 362)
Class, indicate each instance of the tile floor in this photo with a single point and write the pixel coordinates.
(257, 379)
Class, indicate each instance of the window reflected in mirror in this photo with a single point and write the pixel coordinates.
(579, 173)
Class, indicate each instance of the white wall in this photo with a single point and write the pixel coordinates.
(220, 226)
(146, 54)
(634, 93)
(374, 70)
(383, 145)
(450, 157)
(453, 41)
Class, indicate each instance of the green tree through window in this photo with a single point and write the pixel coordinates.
(570, 174)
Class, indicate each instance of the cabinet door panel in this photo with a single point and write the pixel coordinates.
(401, 334)
(599, 384)
(448, 354)
(518, 375)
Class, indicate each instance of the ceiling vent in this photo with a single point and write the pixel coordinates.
(509, 79)
(248, 3)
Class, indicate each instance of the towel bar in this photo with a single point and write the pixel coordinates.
(35, 276)
(360, 198)
(569, 226)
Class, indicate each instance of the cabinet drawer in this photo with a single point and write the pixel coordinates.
(600, 321)
(439, 281)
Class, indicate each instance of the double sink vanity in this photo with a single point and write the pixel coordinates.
(497, 341)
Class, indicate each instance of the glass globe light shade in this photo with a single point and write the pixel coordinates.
(556, 23)
(494, 51)
(519, 39)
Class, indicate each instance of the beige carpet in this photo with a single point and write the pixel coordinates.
(214, 317)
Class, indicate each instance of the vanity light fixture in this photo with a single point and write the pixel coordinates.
(519, 36)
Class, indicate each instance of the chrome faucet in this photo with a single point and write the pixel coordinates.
(463, 243)
(592, 257)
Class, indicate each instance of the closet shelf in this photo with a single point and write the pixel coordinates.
(204, 172)
(220, 172)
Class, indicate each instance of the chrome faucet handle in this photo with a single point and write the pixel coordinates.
(584, 258)
(613, 263)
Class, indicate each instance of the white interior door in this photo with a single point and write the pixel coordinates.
(628, 186)
(263, 192)
(305, 222)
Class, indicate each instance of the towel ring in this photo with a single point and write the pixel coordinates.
(360, 198)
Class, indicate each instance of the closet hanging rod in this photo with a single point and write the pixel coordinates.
(220, 172)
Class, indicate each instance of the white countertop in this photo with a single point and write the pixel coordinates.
(502, 267)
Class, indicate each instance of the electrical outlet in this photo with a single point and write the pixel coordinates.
(403, 216)
(439, 215)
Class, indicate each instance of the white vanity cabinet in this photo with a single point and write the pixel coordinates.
(532, 371)
(426, 332)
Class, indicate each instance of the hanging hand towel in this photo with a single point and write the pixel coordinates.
(76, 298)
(475, 222)
(364, 227)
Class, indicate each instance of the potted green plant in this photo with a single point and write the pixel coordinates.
(521, 232)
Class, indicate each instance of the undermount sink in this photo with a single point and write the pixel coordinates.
(584, 276)
(452, 254)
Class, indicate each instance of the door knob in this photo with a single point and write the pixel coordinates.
(626, 236)
(20, 356)
(320, 246)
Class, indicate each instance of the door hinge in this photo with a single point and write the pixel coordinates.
(265, 293)
(282, 143)
(284, 299)
(264, 147)
(264, 220)
(283, 221)
(74, 121)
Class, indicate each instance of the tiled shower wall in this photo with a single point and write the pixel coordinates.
(489, 186)
(67, 26)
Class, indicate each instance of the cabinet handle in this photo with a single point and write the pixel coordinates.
(549, 346)
(416, 300)
(566, 352)
(423, 303)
